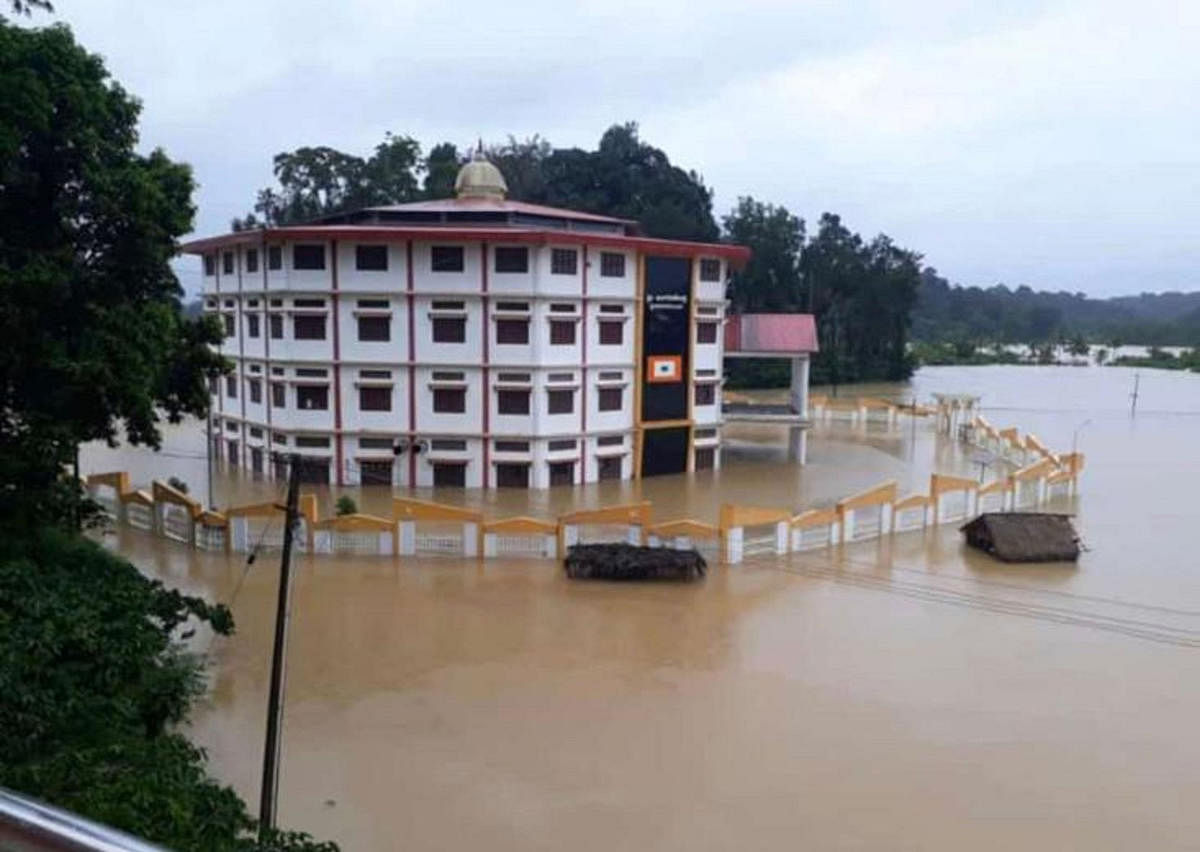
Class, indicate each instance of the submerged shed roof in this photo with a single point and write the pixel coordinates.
(1024, 536)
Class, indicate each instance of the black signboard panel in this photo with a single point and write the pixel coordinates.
(664, 450)
(665, 315)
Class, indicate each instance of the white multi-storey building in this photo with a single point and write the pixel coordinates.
(473, 341)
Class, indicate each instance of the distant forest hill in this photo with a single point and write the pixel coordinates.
(952, 313)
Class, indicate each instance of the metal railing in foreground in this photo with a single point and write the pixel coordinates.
(27, 825)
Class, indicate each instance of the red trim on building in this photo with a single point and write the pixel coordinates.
(583, 369)
(266, 333)
(243, 390)
(487, 391)
(736, 255)
(337, 367)
(412, 368)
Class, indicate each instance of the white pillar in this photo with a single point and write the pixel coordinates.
(799, 385)
(470, 533)
(886, 519)
(238, 529)
(734, 544)
(323, 541)
(634, 534)
(781, 538)
(797, 444)
(489, 545)
(848, 526)
(408, 538)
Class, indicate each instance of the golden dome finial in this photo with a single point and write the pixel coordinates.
(478, 178)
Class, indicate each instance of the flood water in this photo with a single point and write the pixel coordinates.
(901, 694)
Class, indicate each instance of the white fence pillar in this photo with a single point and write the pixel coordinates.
(408, 538)
(734, 544)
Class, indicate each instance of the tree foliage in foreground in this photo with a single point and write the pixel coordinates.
(94, 341)
(94, 679)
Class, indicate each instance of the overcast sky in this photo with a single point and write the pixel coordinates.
(1053, 144)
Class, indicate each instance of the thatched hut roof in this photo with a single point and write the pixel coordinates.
(630, 562)
(1024, 536)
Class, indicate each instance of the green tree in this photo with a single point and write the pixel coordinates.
(92, 667)
(441, 169)
(322, 181)
(95, 343)
(345, 505)
(95, 674)
(771, 281)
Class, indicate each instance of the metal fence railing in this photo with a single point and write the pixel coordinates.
(27, 825)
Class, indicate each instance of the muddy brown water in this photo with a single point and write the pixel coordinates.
(903, 694)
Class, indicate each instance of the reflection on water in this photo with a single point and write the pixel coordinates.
(895, 694)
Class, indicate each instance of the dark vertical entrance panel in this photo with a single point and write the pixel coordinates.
(665, 315)
(664, 450)
(665, 368)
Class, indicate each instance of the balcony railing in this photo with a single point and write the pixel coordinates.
(27, 825)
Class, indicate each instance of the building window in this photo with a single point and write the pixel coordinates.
(560, 401)
(612, 333)
(276, 326)
(376, 443)
(564, 261)
(308, 256)
(308, 327)
(563, 444)
(278, 395)
(706, 394)
(374, 329)
(256, 460)
(312, 442)
(314, 471)
(449, 400)
(512, 259)
(312, 397)
(710, 269)
(562, 332)
(512, 475)
(610, 441)
(449, 329)
(233, 453)
(511, 446)
(274, 257)
(252, 260)
(512, 401)
(706, 332)
(227, 263)
(254, 388)
(705, 458)
(612, 264)
(230, 328)
(446, 258)
(375, 472)
(210, 265)
(450, 474)
(562, 473)
(252, 325)
(371, 258)
(457, 445)
(512, 331)
(608, 467)
(374, 399)
(611, 399)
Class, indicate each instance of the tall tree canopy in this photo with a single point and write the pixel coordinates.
(93, 672)
(623, 177)
(771, 280)
(89, 308)
(315, 182)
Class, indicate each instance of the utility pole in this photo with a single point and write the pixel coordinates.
(1133, 396)
(270, 773)
(208, 455)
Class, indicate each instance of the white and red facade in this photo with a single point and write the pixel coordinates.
(473, 341)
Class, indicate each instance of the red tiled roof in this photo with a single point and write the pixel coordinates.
(737, 255)
(782, 333)
(490, 205)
